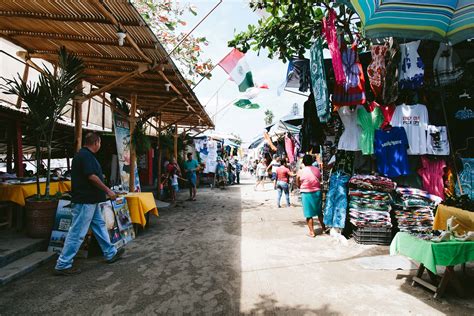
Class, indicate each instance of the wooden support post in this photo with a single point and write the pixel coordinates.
(88, 108)
(9, 150)
(160, 157)
(18, 150)
(77, 105)
(103, 111)
(133, 156)
(25, 79)
(175, 143)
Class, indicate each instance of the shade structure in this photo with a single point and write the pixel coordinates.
(442, 20)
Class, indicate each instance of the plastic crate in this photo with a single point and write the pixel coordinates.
(373, 235)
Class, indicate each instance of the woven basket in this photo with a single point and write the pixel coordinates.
(40, 217)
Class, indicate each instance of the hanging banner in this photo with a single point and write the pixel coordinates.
(207, 149)
(122, 139)
(62, 223)
(117, 221)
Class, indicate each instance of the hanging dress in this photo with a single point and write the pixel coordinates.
(392, 61)
(352, 92)
(318, 81)
(368, 121)
(411, 66)
(329, 31)
(446, 66)
(376, 71)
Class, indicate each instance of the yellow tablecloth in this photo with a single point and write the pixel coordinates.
(465, 219)
(18, 193)
(139, 204)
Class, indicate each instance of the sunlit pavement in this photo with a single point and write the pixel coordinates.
(231, 251)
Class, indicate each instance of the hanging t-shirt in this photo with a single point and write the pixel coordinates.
(414, 119)
(369, 122)
(437, 140)
(390, 148)
(431, 173)
(350, 137)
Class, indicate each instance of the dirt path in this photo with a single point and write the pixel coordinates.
(229, 252)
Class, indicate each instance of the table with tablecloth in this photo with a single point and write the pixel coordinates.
(18, 193)
(430, 254)
(465, 219)
(139, 204)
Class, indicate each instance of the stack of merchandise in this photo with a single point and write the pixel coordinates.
(369, 208)
(414, 211)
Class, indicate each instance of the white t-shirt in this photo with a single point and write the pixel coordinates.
(274, 165)
(174, 179)
(261, 170)
(414, 119)
(437, 140)
(350, 137)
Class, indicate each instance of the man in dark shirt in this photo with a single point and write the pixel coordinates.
(88, 190)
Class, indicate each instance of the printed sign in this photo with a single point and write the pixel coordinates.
(118, 221)
(122, 139)
(62, 223)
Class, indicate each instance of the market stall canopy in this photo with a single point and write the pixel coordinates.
(228, 142)
(90, 30)
(256, 142)
(281, 128)
(441, 20)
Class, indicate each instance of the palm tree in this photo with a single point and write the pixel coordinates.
(46, 101)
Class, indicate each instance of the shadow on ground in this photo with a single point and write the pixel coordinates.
(269, 306)
(188, 261)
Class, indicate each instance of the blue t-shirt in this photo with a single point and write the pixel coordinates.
(390, 147)
(85, 164)
(190, 164)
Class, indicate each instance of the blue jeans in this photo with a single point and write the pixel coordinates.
(283, 186)
(336, 201)
(83, 216)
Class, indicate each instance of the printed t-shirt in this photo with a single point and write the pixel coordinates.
(261, 170)
(85, 164)
(414, 119)
(310, 178)
(369, 122)
(283, 174)
(391, 152)
(437, 141)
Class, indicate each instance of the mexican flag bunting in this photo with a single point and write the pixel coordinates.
(235, 65)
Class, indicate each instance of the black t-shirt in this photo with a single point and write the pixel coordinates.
(83, 191)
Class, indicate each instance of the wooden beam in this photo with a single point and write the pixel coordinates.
(107, 12)
(113, 107)
(133, 156)
(36, 17)
(52, 55)
(156, 109)
(139, 70)
(27, 58)
(160, 157)
(18, 149)
(89, 107)
(176, 121)
(103, 110)
(77, 124)
(175, 141)
(25, 79)
(70, 37)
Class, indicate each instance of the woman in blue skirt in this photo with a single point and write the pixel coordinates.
(308, 180)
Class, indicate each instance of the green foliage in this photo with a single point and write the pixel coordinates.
(140, 140)
(290, 28)
(165, 18)
(47, 99)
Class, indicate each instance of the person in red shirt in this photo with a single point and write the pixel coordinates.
(283, 175)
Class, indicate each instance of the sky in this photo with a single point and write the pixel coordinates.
(229, 17)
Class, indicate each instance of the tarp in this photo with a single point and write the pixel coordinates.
(281, 128)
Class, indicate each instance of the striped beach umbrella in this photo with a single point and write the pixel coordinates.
(442, 20)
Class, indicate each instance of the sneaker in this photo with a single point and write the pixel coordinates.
(117, 256)
(67, 272)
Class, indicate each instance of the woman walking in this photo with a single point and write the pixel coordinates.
(308, 180)
(283, 175)
(261, 174)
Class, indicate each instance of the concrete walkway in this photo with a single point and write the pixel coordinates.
(230, 252)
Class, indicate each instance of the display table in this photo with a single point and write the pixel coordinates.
(139, 204)
(465, 219)
(430, 255)
(17, 193)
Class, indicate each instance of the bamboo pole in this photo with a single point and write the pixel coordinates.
(160, 157)
(77, 107)
(175, 141)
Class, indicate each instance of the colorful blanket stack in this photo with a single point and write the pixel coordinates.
(414, 210)
(370, 201)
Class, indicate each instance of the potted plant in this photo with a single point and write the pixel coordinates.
(46, 100)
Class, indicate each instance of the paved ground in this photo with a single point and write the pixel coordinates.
(230, 252)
